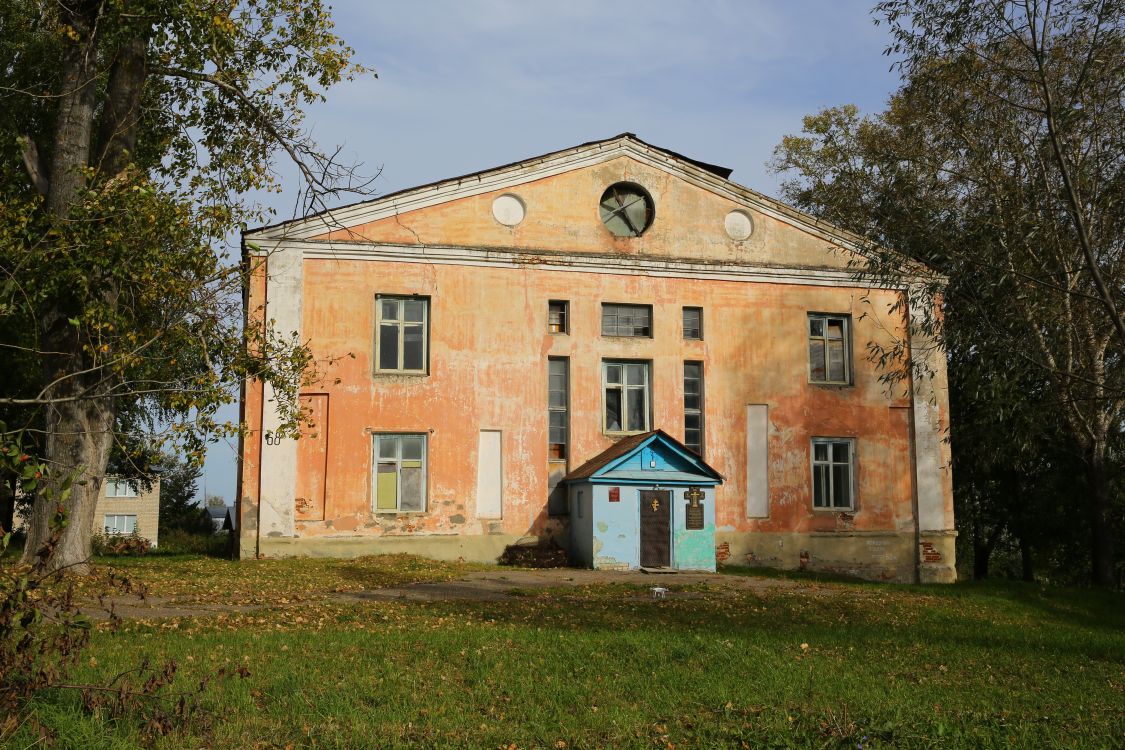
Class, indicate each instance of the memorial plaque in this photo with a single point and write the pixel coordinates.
(693, 511)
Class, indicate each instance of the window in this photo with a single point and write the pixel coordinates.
(558, 396)
(829, 350)
(832, 464)
(558, 316)
(626, 396)
(120, 488)
(400, 473)
(120, 524)
(401, 341)
(693, 323)
(627, 320)
(693, 406)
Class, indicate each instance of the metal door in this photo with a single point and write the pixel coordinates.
(656, 529)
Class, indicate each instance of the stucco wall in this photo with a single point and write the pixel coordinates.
(488, 350)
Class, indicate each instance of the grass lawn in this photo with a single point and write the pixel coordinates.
(818, 664)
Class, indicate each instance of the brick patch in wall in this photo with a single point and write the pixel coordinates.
(722, 552)
(930, 553)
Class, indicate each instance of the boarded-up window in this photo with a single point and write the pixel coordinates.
(400, 473)
(829, 349)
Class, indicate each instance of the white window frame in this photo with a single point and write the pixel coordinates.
(852, 464)
(117, 487)
(847, 344)
(625, 387)
(376, 460)
(114, 529)
(401, 324)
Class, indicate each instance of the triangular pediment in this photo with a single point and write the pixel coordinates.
(558, 207)
(653, 457)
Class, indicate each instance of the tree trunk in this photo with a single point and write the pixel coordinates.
(1026, 560)
(982, 551)
(1101, 500)
(79, 438)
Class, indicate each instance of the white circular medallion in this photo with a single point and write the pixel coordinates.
(508, 209)
(739, 225)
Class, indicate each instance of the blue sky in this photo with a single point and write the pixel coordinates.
(469, 84)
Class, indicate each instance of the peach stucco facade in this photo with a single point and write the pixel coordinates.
(487, 286)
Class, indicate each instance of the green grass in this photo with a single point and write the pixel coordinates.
(818, 666)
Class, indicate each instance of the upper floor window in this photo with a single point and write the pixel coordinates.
(627, 396)
(693, 322)
(833, 465)
(829, 349)
(627, 320)
(558, 316)
(402, 334)
(120, 488)
(693, 406)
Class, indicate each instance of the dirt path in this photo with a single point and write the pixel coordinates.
(491, 585)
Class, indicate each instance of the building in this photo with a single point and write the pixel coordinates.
(125, 507)
(484, 336)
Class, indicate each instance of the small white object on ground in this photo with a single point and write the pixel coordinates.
(659, 592)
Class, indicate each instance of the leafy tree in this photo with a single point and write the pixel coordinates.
(129, 131)
(999, 163)
(178, 484)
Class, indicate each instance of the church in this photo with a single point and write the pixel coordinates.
(613, 348)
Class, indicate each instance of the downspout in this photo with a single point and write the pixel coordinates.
(913, 445)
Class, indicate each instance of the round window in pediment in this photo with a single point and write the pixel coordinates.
(627, 209)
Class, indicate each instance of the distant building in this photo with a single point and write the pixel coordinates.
(126, 508)
(487, 335)
(222, 517)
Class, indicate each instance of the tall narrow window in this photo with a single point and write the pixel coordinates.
(693, 322)
(558, 397)
(627, 320)
(400, 473)
(401, 340)
(558, 316)
(627, 398)
(693, 406)
(833, 463)
(829, 349)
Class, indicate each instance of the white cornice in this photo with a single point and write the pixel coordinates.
(627, 265)
(548, 166)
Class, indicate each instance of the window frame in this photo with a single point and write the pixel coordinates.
(564, 410)
(624, 387)
(852, 465)
(647, 308)
(564, 328)
(697, 411)
(114, 531)
(376, 459)
(116, 483)
(683, 323)
(401, 324)
(846, 318)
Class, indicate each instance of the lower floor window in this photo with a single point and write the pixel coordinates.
(833, 464)
(400, 473)
(120, 524)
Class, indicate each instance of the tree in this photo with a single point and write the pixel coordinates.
(130, 131)
(216, 501)
(999, 163)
